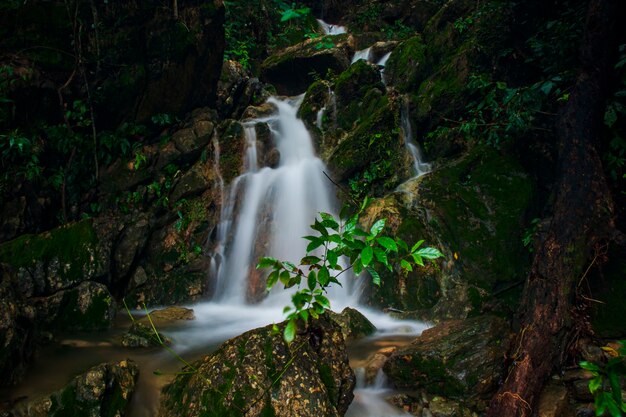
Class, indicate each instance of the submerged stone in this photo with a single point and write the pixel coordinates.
(259, 374)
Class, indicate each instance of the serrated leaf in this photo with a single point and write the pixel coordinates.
(375, 276)
(367, 254)
(406, 265)
(387, 243)
(290, 331)
(323, 276)
(311, 280)
(377, 227)
(429, 253)
(417, 245)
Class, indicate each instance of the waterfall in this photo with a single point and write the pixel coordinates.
(419, 166)
(330, 29)
(362, 54)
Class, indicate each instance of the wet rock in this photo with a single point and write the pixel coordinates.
(237, 90)
(444, 407)
(131, 242)
(455, 358)
(259, 374)
(354, 325)
(272, 159)
(407, 66)
(376, 362)
(87, 307)
(169, 315)
(193, 182)
(188, 144)
(54, 260)
(553, 401)
(232, 144)
(103, 391)
(143, 336)
(18, 330)
(290, 70)
(382, 48)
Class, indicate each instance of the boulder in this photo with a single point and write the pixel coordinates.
(455, 358)
(291, 69)
(353, 324)
(143, 336)
(130, 244)
(259, 374)
(103, 391)
(87, 307)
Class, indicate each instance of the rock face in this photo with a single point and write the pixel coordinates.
(354, 325)
(103, 391)
(259, 374)
(290, 69)
(455, 358)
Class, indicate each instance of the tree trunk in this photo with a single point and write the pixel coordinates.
(582, 217)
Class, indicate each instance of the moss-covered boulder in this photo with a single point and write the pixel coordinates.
(259, 374)
(292, 70)
(55, 260)
(455, 358)
(87, 307)
(473, 209)
(103, 391)
(406, 67)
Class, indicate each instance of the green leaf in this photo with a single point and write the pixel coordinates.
(285, 278)
(314, 244)
(402, 244)
(329, 221)
(319, 227)
(332, 257)
(375, 276)
(290, 331)
(377, 227)
(323, 301)
(429, 253)
(272, 279)
(358, 266)
(595, 384)
(417, 245)
(266, 262)
(289, 266)
(590, 366)
(381, 256)
(323, 276)
(406, 265)
(305, 315)
(311, 280)
(418, 259)
(387, 243)
(367, 254)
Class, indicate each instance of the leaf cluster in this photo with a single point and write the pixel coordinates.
(606, 384)
(339, 246)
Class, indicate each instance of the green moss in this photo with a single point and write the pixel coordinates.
(478, 205)
(73, 247)
(96, 316)
(312, 47)
(406, 67)
(326, 375)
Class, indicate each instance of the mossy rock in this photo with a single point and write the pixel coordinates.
(355, 98)
(231, 138)
(292, 70)
(104, 390)
(88, 307)
(459, 358)
(54, 260)
(259, 374)
(406, 67)
(354, 325)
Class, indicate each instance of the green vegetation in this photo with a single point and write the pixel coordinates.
(336, 243)
(607, 381)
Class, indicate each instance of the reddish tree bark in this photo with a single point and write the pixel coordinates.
(582, 217)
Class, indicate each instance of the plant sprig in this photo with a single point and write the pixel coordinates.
(340, 246)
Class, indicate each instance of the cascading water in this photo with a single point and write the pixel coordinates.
(419, 166)
(362, 54)
(330, 29)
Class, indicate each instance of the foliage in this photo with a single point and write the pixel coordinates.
(614, 116)
(607, 380)
(340, 246)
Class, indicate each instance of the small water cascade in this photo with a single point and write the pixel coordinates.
(369, 399)
(362, 54)
(330, 29)
(419, 166)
